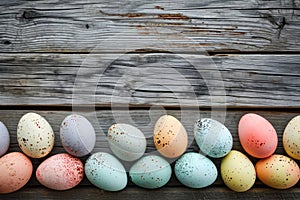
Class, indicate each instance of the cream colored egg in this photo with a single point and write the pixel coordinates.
(237, 171)
(35, 135)
(170, 137)
(291, 138)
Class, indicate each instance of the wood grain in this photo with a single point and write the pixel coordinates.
(215, 26)
(152, 79)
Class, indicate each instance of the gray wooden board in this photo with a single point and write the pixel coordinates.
(144, 120)
(215, 26)
(150, 79)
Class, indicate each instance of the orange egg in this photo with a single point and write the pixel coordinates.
(257, 136)
(170, 137)
(15, 172)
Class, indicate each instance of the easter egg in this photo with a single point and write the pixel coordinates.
(195, 170)
(212, 137)
(77, 135)
(278, 171)
(237, 171)
(291, 138)
(170, 137)
(257, 136)
(60, 172)
(15, 172)
(105, 172)
(35, 135)
(150, 172)
(4, 139)
(126, 142)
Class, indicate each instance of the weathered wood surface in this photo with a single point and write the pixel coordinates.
(216, 26)
(150, 79)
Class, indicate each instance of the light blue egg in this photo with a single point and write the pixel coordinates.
(213, 138)
(4, 139)
(105, 172)
(150, 172)
(195, 170)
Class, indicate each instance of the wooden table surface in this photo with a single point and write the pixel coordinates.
(133, 61)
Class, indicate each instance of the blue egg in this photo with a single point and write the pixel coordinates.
(213, 138)
(4, 141)
(150, 172)
(195, 170)
(105, 172)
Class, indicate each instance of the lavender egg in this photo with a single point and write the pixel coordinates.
(77, 135)
(4, 141)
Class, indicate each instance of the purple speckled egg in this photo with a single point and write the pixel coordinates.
(4, 139)
(77, 135)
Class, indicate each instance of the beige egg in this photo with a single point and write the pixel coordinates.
(35, 135)
(237, 171)
(291, 138)
(170, 137)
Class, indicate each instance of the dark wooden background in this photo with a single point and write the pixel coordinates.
(254, 45)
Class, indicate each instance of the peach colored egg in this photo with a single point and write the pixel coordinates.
(60, 172)
(257, 135)
(291, 138)
(170, 137)
(15, 172)
(278, 171)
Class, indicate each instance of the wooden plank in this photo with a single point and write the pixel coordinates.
(174, 193)
(151, 79)
(215, 26)
(144, 120)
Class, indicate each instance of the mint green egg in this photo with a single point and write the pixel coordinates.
(105, 172)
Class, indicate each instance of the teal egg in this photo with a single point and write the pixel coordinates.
(213, 138)
(105, 172)
(150, 172)
(195, 170)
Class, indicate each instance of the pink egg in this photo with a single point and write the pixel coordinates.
(15, 172)
(60, 172)
(257, 136)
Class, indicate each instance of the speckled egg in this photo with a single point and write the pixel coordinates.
(15, 172)
(291, 138)
(60, 172)
(278, 171)
(170, 137)
(77, 135)
(195, 170)
(4, 139)
(212, 137)
(35, 135)
(126, 142)
(237, 171)
(106, 172)
(257, 136)
(150, 172)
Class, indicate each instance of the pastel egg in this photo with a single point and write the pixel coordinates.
(4, 141)
(16, 170)
(77, 135)
(106, 172)
(60, 172)
(278, 171)
(150, 172)
(126, 142)
(237, 171)
(195, 170)
(35, 135)
(257, 136)
(212, 137)
(291, 138)
(170, 137)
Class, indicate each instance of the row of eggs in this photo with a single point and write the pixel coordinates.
(64, 171)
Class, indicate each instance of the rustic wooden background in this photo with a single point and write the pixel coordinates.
(254, 45)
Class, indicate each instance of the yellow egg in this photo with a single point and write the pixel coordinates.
(170, 137)
(291, 138)
(237, 171)
(278, 171)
